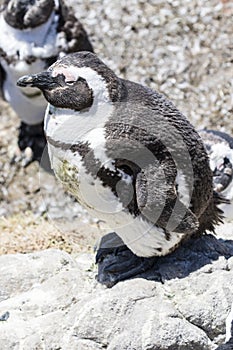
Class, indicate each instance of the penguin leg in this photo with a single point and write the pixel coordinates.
(118, 263)
(31, 143)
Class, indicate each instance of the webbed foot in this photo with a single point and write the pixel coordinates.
(118, 263)
(31, 144)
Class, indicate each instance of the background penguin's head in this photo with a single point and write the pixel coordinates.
(76, 81)
(24, 14)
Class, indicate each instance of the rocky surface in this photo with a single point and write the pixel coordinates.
(51, 300)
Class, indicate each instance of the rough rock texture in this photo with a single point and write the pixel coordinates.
(51, 300)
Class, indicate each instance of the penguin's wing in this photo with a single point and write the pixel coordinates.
(158, 199)
(74, 34)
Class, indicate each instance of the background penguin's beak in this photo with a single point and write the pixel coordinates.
(43, 80)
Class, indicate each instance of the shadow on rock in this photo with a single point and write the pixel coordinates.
(189, 257)
(118, 264)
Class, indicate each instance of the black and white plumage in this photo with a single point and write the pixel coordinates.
(130, 158)
(34, 33)
(219, 146)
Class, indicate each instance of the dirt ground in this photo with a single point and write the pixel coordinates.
(181, 48)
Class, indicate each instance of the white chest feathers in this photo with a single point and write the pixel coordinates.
(69, 127)
(39, 42)
(26, 51)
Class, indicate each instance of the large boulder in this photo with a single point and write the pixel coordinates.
(51, 300)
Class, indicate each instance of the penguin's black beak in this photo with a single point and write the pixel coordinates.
(43, 80)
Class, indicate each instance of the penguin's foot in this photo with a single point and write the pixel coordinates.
(22, 158)
(31, 144)
(119, 264)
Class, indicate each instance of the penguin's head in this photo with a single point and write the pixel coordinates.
(26, 14)
(76, 81)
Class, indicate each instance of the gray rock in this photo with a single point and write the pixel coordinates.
(51, 300)
(20, 272)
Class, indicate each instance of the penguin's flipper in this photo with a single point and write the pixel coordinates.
(73, 31)
(160, 201)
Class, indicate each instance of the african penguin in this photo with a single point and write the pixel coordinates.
(219, 147)
(130, 158)
(34, 33)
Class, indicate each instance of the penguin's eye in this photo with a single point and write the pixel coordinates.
(71, 82)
